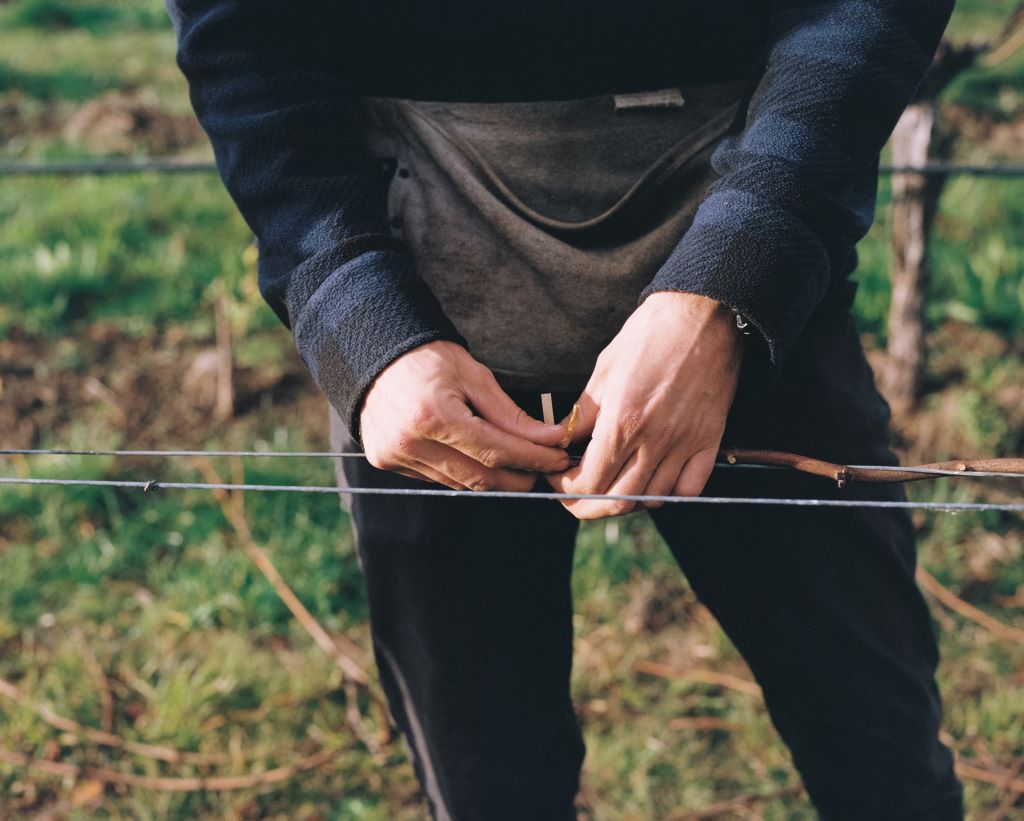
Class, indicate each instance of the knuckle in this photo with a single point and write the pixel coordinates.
(479, 483)
(376, 456)
(489, 458)
(394, 446)
(522, 482)
(556, 464)
(619, 508)
(483, 373)
(426, 420)
(690, 487)
(629, 424)
(579, 512)
(387, 463)
(520, 418)
(581, 485)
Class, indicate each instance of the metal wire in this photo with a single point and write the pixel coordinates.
(170, 165)
(289, 454)
(982, 474)
(105, 167)
(152, 485)
(942, 169)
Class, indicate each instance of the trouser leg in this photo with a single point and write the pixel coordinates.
(822, 602)
(471, 619)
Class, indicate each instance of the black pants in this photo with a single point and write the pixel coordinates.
(471, 613)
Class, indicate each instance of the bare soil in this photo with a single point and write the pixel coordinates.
(143, 393)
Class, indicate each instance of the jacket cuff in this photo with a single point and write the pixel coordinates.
(362, 317)
(757, 258)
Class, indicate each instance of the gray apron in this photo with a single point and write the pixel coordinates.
(537, 224)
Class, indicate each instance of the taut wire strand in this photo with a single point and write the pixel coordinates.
(174, 165)
(1009, 468)
(289, 454)
(152, 485)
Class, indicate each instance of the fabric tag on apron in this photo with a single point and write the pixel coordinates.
(665, 98)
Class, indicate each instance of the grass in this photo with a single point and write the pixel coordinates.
(107, 293)
(66, 65)
(142, 253)
(974, 259)
(96, 18)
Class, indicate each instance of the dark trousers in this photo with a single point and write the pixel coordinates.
(471, 613)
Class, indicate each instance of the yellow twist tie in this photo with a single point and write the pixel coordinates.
(574, 417)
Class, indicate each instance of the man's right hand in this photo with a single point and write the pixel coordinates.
(437, 414)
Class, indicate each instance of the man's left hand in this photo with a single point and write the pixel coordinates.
(655, 406)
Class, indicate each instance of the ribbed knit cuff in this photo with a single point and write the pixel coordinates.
(756, 258)
(365, 315)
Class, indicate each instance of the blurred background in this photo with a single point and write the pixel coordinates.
(143, 651)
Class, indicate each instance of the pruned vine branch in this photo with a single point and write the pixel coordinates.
(948, 598)
(340, 649)
(103, 738)
(844, 474)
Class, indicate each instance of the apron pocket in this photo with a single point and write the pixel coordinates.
(580, 168)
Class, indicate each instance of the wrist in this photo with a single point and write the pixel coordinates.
(701, 321)
(699, 312)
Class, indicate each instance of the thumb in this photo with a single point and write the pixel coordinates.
(497, 407)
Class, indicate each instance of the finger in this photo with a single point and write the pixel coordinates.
(663, 481)
(696, 473)
(602, 461)
(492, 447)
(632, 481)
(468, 472)
(425, 473)
(497, 407)
(405, 465)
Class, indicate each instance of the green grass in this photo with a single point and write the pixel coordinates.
(995, 91)
(97, 18)
(66, 65)
(975, 260)
(978, 20)
(138, 252)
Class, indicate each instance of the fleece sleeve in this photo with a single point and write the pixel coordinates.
(797, 183)
(264, 81)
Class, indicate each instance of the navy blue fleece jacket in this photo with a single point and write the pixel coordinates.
(274, 85)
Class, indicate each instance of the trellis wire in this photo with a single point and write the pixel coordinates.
(323, 454)
(104, 167)
(152, 485)
(289, 454)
